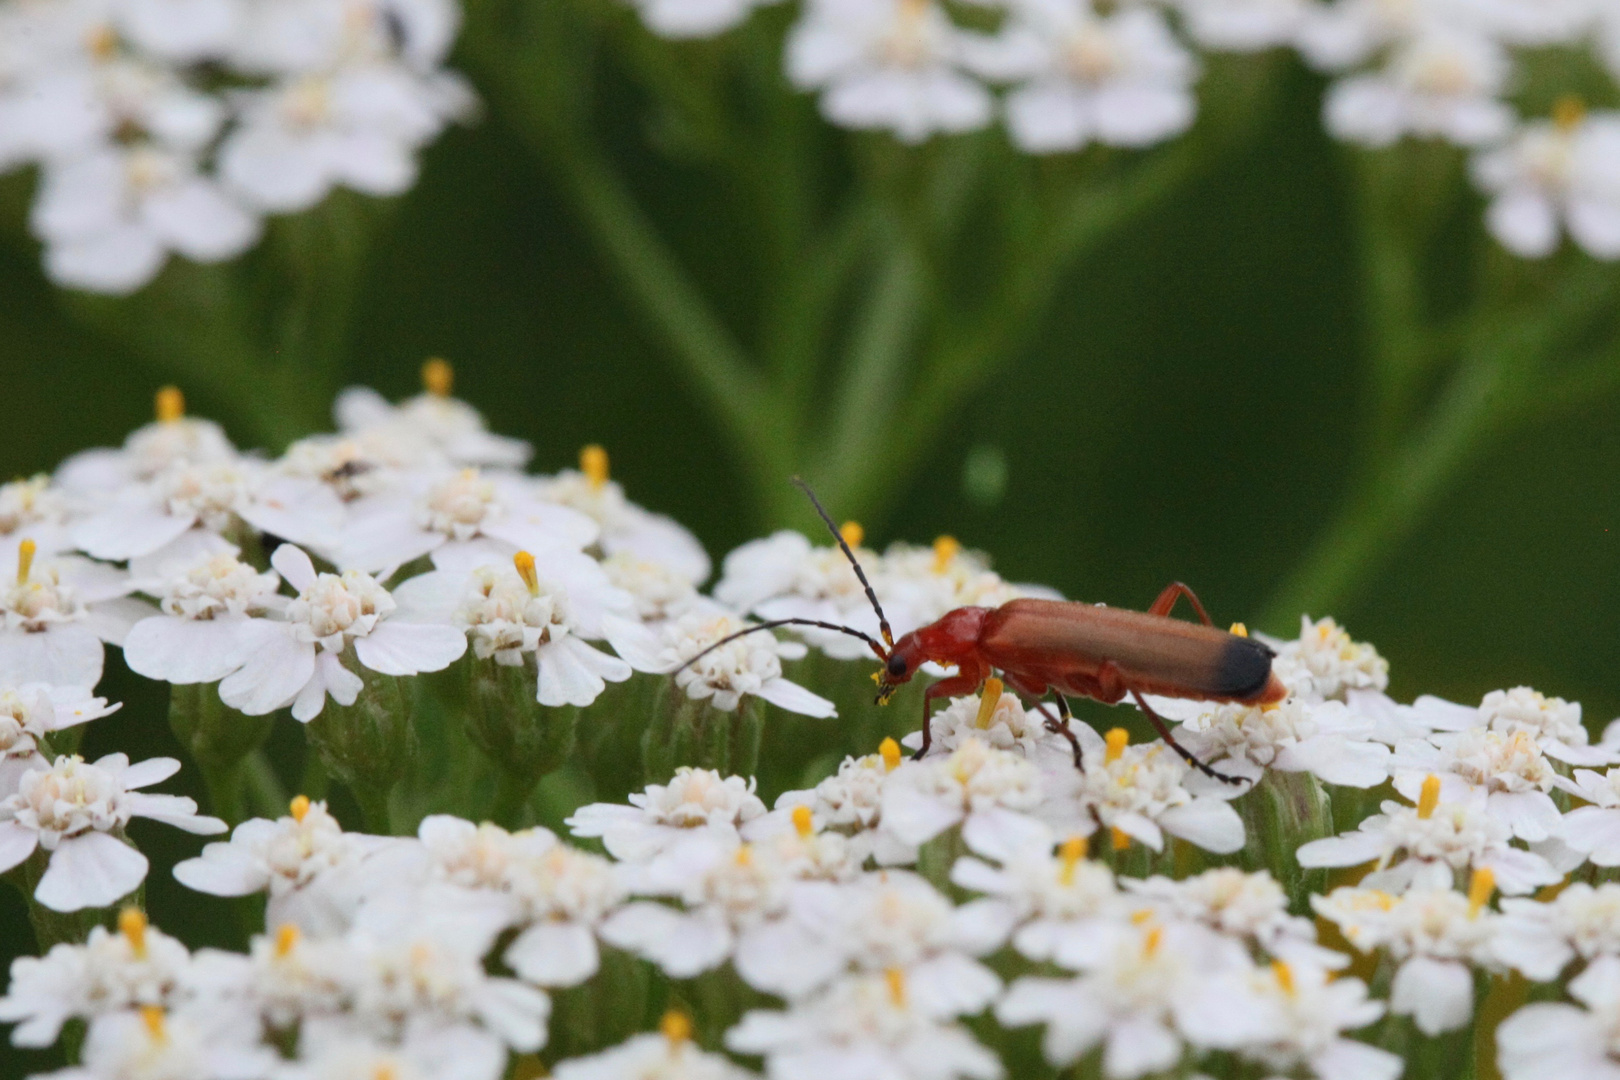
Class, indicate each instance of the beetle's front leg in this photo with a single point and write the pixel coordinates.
(962, 683)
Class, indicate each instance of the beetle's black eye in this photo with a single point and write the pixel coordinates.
(897, 665)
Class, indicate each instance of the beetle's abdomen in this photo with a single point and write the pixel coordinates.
(1151, 653)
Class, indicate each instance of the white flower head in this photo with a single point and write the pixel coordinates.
(1555, 175)
(1442, 83)
(138, 965)
(55, 615)
(668, 1055)
(1325, 662)
(1140, 791)
(31, 712)
(1002, 725)
(892, 64)
(1541, 938)
(1244, 25)
(1251, 907)
(1508, 769)
(1325, 738)
(1120, 79)
(1146, 991)
(32, 509)
(1436, 936)
(301, 664)
(71, 809)
(434, 419)
(663, 815)
(1545, 1040)
(525, 607)
(750, 666)
(196, 1042)
(628, 530)
(147, 452)
(1438, 839)
(212, 617)
(784, 576)
(1313, 1009)
(868, 1024)
(1593, 829)
(851, 803)
(922, 799)
(314, 872)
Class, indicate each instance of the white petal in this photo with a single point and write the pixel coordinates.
(405, 648)
(17, 842)
(273, 671)
(90, 870)
(223, 870)
(293, 566)
(1437, 994)
(795, 698)
(554, 954)
(1208, 823)
(183, 651)
(565, 679)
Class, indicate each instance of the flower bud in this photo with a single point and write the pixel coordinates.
(218, 738)
(369, 745)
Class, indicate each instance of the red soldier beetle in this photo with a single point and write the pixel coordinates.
(1063, 648)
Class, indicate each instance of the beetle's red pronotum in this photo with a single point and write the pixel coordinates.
(1064, 648)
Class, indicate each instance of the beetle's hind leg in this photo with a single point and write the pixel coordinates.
(1063, 726)
(1170, 740)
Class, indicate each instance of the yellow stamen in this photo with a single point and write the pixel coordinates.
(169, 404)
(1429, 798)
(1140, 916)
(744, 856)
(132, 924)
(946, 548)
(1568, 112)
(438, 377)
(1239, 629)
(1285, 977)
(298, 807)
(102, 42)
(286, 939)
(1480, 887)
(1151, 943)
(593, 462)
(803, 822)
(1073, 850)
(525, 568)
(890, 750)
(987, 703)
(852, 533)
(1120, 837)
(1117, 739)
(25, 560)
(152, 1017)
(384, 1071)
(676, 1026)
(897, 986)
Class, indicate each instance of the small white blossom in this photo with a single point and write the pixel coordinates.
(1541, 938)
(863, 1025)
(212, 617)
(1327, 739)
(54, 616)
(194, 1043)
(315, 873)
(433, 420)
(694, 801)
(1120, 79)
(302, 663)
(1313, 1010)
(1251, 907)
(750, 666)
(1141, 791)
(136, 966)
(1594, 829)
(1509, 771)
(71, 810)
(1439, 84)
(1562, 174)
(1324, 662)
(667, 1056)
(921, 799)
(1435, 935)
(1554, 1041)
(628, 531)
(30, 713)
(892, 64)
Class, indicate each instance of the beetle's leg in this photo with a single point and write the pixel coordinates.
(1059, 725)
(1173, 592)
(962, 683)
(1170, 740)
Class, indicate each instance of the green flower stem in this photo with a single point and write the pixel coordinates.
(219, 740)
(685, 731)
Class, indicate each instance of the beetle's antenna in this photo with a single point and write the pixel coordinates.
(871, 594)
(875, 646)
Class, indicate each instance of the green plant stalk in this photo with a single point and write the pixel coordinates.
(687, 731)
(219, 739)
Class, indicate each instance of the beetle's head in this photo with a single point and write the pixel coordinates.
(902, 663)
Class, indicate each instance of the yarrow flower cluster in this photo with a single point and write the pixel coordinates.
(1065, 74)
(164, 126)
(1148, 906)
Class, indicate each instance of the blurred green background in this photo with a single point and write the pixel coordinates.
(1191, 404)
